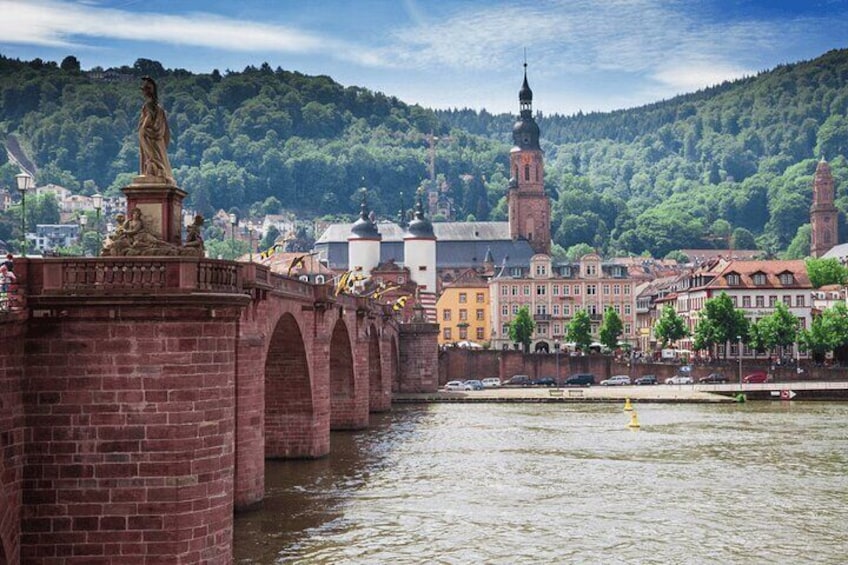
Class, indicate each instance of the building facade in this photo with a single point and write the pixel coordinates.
(463, 311)
(555, 293)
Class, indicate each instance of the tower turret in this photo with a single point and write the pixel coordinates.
(363, 241)
(824, 217)
(419, 249)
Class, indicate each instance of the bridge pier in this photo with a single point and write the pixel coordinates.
(12, 427)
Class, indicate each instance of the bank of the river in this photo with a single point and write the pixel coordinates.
(656, 394)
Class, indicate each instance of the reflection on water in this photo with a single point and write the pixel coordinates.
(563, 483)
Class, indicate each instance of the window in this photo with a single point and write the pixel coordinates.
(627, 289)
(463, 315)
(481, 298)
(463, 298)
(543, 329)
(799, 301)
(759, 279)
(505, 310)
(591, 270)
(761, 301)
(565, 289)
(787, 300)
(463, 332)
(576, 289)
(319, 279)
(401, 279)
(526, 290)
(540, 289)
(627, 329)
(557, 329)
(772, 301)
(627, 309)
(566, 310)
(514, 290)
(591, 289)
(606, 289)
(505, 330)
(787, 279)
(480, 333)
(555, 290)
(515, 308)
(746, 302)
(422, 267)
(541, 270)
(616, 289)
(526, 172)
(446, 333)
(617, 308)
(446, 315)
(732, 279)
(480, 316)
(504, 290)
(541, 309)
(734, 299)
(555, 308)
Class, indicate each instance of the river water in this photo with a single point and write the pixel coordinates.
(762, 482)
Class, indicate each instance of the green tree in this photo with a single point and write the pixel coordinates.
(758, 338)
(580, 330)
(611, 329)
(828, 331)
(670, 327)
(799, 247)
(575, 252)
(521, 328)
(826, 271)
(720, 322)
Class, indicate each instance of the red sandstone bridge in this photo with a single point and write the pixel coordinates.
(139, 398)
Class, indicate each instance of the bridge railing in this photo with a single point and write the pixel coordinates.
(104, 275)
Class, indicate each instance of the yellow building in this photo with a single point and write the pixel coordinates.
(463, 310)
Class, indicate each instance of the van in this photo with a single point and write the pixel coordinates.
(518, 380)
(580, 379)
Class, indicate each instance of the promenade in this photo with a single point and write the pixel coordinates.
(697, 393)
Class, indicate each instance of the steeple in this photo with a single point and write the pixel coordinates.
(824, 217)
(528, 204)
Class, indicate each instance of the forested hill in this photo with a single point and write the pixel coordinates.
(655, 178)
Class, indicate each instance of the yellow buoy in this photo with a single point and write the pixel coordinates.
(627, 406)
(634, 421)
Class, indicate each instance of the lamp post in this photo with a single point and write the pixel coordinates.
(233, 235)
(97, 199)
(83, 220)
(556, 347)
(739, 341)
(24, 182)
(249, 229)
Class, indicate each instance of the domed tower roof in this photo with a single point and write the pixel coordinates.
(420, 227)
(525, 132)
(364, 228)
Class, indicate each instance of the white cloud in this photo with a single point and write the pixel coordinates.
(55, 23)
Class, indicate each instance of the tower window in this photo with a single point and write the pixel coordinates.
(527, 172)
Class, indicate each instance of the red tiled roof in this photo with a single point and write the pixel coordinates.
(771, 268)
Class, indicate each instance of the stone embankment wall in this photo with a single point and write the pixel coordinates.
(12, 425)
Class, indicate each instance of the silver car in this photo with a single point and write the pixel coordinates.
(679, 380)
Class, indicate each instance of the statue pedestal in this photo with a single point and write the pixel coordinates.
(161, 206)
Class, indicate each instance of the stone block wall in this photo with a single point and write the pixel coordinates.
(419, 357)
(11, 436)
(130, 435)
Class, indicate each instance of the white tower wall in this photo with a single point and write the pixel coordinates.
(419, 256)
(363, 255)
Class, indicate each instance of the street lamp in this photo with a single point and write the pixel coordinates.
(24, 182)
(233, 235)
(97, 199)
(83, 220)
(556, 347)
(739, 340)
(249, 229)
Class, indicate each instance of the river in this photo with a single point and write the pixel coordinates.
(762, 482)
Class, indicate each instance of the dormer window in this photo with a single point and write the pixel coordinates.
(787, 279)
(733, 279)
(759, 279)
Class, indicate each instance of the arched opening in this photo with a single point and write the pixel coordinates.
(288, 393)
(343, 413)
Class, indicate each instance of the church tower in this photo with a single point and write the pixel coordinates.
(529, 207)
(823, 214)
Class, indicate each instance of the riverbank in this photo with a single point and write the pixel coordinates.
(699, 393)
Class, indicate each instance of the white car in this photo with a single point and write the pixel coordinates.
(679, 380)
(491, 382)
(455, 385)
(616, 380)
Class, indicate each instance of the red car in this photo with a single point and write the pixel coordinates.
(758, 377)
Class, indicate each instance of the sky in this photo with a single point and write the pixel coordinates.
(581, 55)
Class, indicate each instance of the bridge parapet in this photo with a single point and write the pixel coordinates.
(105, 275)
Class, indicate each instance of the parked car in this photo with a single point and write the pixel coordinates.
(545, 381)
(616, 380)
(646, 380)
(713, 378)
(580, 379)
(518, 380)
(757, 377)
(679, 380)
(454, 385)
(491, 382)
(473, 384)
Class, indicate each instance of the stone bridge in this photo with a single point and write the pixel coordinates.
(140, 397)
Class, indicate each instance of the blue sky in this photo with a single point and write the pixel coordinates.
(589, 55)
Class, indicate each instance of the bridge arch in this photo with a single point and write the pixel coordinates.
(289, 406)
(342, 378)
